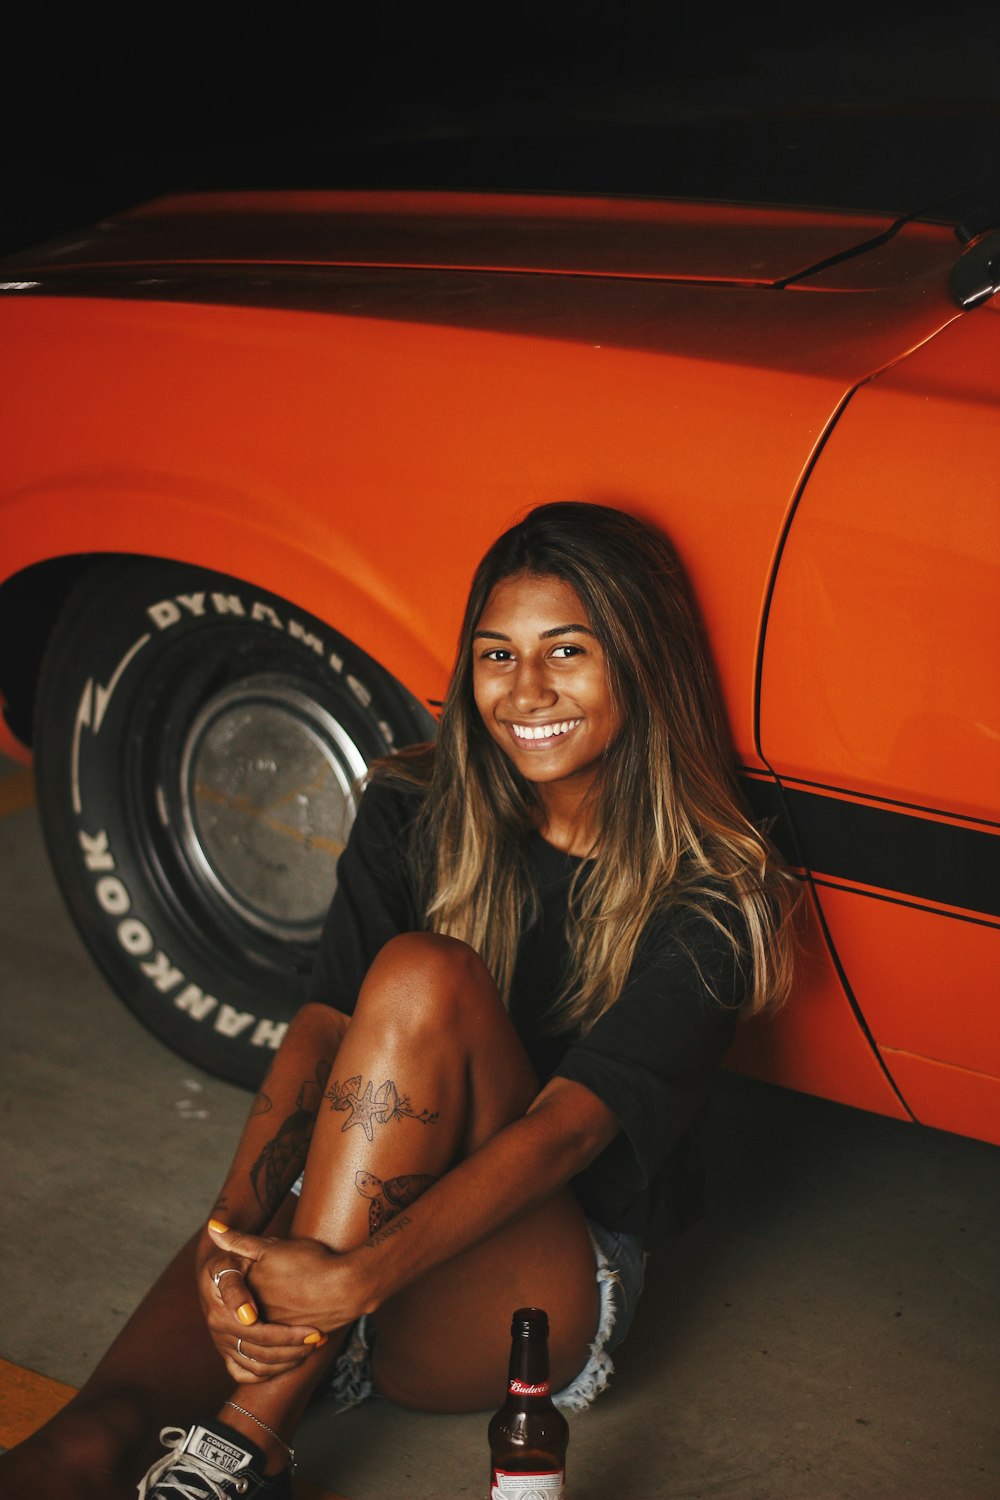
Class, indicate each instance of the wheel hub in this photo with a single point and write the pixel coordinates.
(268, 782)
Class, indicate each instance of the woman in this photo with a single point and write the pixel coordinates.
(545, 928)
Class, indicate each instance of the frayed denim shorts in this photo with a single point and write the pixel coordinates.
(620, 1265)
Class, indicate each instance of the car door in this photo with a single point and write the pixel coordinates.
(880, 714)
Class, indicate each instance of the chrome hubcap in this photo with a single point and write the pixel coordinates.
(268, 797)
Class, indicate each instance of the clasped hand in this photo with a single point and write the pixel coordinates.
(255, 1297)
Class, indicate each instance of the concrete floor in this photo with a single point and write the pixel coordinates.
(831, 1330)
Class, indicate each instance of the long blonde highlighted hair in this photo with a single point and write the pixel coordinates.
(668, 821)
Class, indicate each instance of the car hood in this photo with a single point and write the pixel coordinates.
(648, 239)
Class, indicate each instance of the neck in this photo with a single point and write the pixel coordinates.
(567, 821)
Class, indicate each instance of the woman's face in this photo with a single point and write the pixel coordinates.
(540, 681)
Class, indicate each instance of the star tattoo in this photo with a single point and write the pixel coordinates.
(374, 1106)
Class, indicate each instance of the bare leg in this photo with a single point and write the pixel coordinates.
(430, 1069)
(163, 1368)
(436, 1027)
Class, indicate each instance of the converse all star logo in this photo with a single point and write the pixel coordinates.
(215, 1450)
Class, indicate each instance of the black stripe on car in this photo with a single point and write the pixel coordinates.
(915, 855)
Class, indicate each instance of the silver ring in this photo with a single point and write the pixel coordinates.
(227, 1271)
(239, 1348)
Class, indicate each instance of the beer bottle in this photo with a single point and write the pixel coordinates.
(528, 1436)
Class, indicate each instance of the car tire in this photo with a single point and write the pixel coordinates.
(198, 747)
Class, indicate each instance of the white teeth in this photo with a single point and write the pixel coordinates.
(544, 731)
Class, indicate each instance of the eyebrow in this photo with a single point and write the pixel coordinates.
(545, 635)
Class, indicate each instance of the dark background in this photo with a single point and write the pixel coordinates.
(865, 109)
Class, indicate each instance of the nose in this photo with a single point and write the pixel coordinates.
(530, 688)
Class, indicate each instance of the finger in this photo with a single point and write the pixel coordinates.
(264, 1341)
(243, 1374)
(264, 1362)
(235, 1295)
(246, 1246)
(290, 1350)
(229, 1318)
(251, 1375)
(273, 1340)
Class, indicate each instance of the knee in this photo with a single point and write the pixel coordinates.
(422, 977)
(320, 1026)
(89, 1448)
(442, 958)
(428, 960)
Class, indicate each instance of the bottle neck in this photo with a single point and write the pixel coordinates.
(528, 1375)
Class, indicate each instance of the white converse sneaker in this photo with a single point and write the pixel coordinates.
(211, 1463)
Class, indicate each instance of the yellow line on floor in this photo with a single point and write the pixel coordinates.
(27, 1400)
(17, 791)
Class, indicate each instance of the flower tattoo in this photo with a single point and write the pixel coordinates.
(374, 1106)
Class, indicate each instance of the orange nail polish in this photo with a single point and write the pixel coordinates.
(218, 1226)
(313, 1338)
(247, 1314)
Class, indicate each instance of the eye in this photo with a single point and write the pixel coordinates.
(497, 653)
(564, 653)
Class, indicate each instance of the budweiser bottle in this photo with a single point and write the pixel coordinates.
(528, 1436)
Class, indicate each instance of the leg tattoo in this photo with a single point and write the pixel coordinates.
(374, 1106)
(283, 1158)
(388, 1198)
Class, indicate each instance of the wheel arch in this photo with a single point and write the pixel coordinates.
(324, 575)
(30, 602)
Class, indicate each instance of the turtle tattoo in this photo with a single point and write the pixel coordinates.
(282, 1158)
(388, 1198)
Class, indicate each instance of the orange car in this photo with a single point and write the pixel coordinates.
(253, 444)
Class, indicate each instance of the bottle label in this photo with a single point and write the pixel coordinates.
(523, 1388)
(547, 1486)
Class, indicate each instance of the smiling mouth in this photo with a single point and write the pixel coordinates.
(543, 734)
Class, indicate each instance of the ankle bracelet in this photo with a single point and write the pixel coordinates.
(277, 1439)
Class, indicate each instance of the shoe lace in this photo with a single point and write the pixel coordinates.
(183, 1471)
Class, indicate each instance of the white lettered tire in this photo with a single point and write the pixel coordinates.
(198, 744)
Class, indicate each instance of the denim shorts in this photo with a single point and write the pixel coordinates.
(620, 1265)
